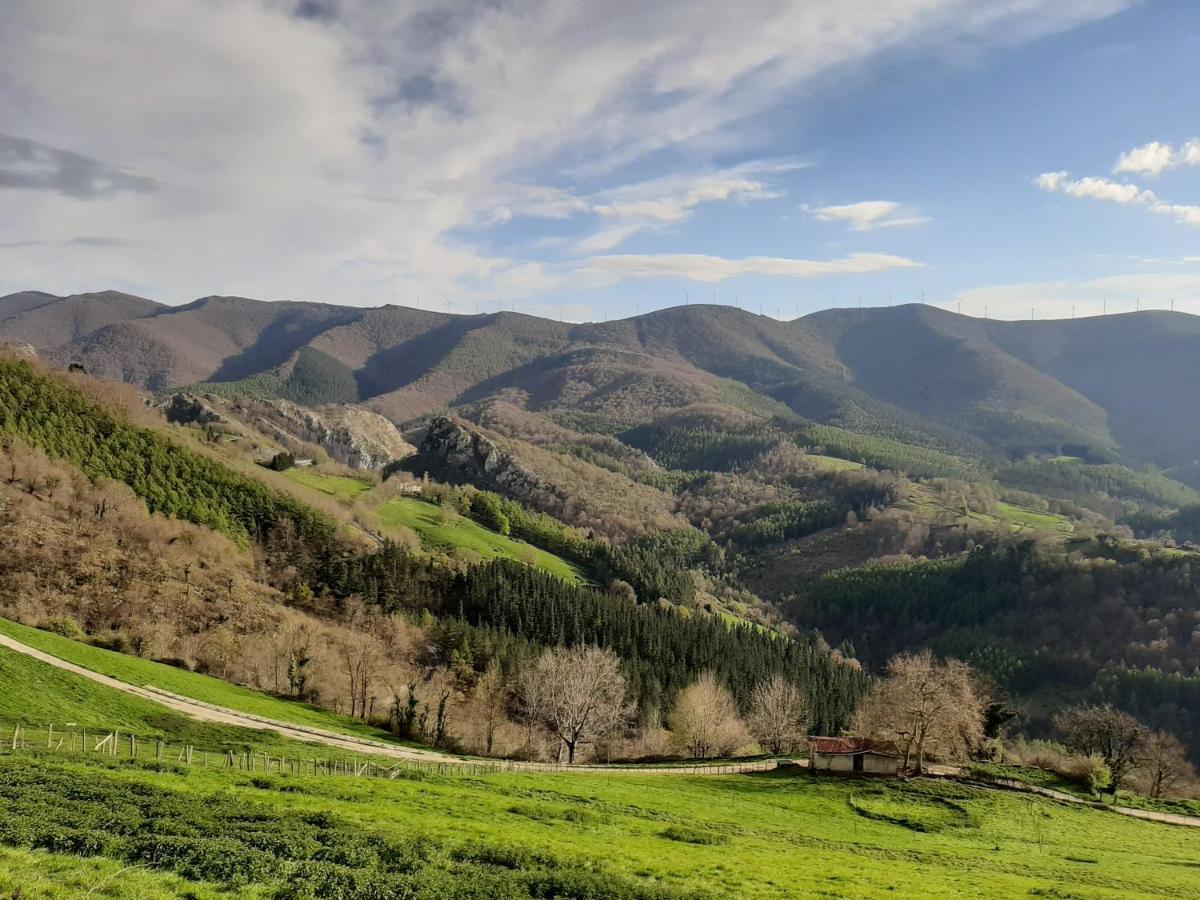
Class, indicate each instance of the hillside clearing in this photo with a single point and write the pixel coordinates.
(341, 487)
(440, 528)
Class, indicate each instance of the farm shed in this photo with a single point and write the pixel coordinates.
(853, 754)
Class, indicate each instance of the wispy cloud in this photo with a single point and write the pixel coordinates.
(32, 166)
(1086, 297)
(1093, 188)
(870, 215)
(342, 149)
(702, 268)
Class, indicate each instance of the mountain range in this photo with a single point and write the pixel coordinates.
(1119, 387)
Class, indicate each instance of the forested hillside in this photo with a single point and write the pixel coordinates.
(721, 491)
(1094, 388)
(341, 622)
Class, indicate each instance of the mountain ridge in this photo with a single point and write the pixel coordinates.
(1107, 387)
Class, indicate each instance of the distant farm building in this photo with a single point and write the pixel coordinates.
(853, 754)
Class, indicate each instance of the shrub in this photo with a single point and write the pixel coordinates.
(687, 835)
(64, 626)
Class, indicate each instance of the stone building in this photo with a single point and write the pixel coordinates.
(854, 755)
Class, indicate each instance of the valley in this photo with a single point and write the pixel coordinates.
(291, 541)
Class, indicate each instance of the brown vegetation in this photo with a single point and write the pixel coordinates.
(928, 707)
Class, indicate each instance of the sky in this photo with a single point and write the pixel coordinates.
(587, 160)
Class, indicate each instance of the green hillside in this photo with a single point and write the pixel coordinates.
(49, 703)
(341, 487)
(614, 837)
(73, 819)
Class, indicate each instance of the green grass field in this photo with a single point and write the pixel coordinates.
(38, 875)
(340, 487)
(126, 829)
(133, 670)
(831, 463)
(443, 529)
(922, 500)
(1024, 519)
(770, 835)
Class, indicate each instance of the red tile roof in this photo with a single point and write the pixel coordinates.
(837, 745)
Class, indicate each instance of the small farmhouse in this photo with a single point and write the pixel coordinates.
(854, 754)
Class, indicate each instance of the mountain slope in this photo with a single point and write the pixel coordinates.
(1117, 386)
(46, 321)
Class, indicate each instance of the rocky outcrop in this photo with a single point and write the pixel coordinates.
(457, 454)
(19, 349)
(353, 436)
(187, 409)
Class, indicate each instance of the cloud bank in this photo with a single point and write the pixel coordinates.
(353, 150)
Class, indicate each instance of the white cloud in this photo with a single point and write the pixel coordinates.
(1156, 157)
(698, 267)
(869, 215)
(1092, 187)
(1148, 159)
(1088, 297)
(343, 156)
(1117, 192)
(1181, 213)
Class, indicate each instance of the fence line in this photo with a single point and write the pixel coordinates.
(90, 742)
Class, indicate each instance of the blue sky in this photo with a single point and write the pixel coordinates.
(589, 160)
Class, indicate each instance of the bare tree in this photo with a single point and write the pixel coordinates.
(1103, 731)
(778, 714)
(492, 694)
(926, 706)
(361, 661)
(705, 722)
(577, 693)
(1164, 764)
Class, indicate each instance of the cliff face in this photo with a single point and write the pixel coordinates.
(452, 452)
(351, 435)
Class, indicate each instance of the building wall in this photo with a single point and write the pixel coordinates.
(880, 765)
(844, 762)
(833, 762)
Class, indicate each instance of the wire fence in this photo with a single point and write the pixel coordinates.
(92, 742)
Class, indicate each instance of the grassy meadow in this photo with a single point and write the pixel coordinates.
(443, 529)
(438, 528)
(74, 824)
(20, 676)
(770, 835)
(340, 487)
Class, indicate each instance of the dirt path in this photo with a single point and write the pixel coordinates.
(208, 712)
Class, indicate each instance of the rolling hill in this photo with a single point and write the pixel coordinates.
(1111, 387)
